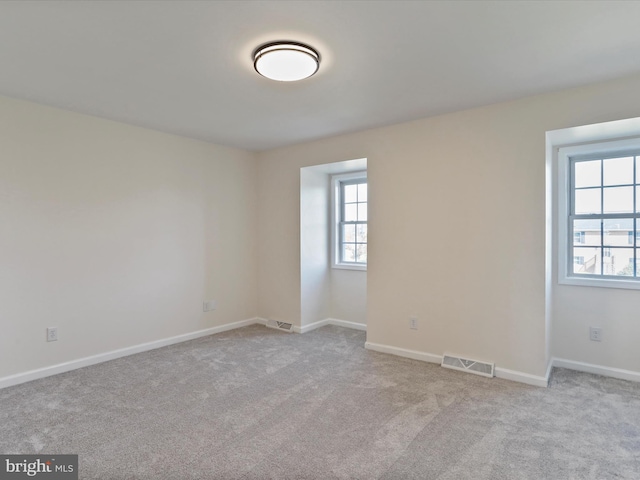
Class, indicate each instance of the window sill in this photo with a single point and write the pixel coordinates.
(600, 282)
(349, 266)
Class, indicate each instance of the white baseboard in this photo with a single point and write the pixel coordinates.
(597, 369)
(348, 324)
(549, 368)
(330, 321)
(311, 326)
(403, 352)
(521, 377)
(512, 375)
(123, 352)
(515, 376)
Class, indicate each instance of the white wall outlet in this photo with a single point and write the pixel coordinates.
(52, 334)
(413, 323)
(209, 306)
(595, 334)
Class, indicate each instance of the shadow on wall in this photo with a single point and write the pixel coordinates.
(326, 292)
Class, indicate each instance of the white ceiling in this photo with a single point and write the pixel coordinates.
(185, 66)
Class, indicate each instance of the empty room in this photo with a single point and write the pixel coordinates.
(189, 288)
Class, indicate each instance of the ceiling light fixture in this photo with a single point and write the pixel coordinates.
(286, 61)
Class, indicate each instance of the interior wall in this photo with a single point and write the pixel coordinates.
(279, 266)
(578, 308)
(315, 280)
(458, 220)
(326, 292)
(614, 310)
(349, 295)
(116, 235)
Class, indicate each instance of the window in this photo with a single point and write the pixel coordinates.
(350, 221)
(602, 214)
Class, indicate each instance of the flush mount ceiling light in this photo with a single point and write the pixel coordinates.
(286, 61)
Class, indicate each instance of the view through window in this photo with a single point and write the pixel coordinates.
(352, 226)
(603, 218)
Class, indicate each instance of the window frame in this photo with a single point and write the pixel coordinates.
(567, 156)
(337, 181)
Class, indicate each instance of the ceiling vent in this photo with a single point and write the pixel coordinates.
(467, 365)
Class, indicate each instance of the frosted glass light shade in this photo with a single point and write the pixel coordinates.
(286, 61)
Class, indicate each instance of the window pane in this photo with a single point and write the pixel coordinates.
(362, 254)
(587, 174)
(587, 201)
(619, 263)
(617, 232)
(348, 252)
(349, 233)
(362, 234)
(618, 200)
(362, 192)
(618, 171)
(351, 212)
(586, 232)
(362, 212)
(586, 261)
(638, 198)
(350, 193)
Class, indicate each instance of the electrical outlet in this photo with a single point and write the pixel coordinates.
(52, 334)
(595, 334)
(413, 323)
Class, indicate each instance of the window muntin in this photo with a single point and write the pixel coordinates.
(604, 213)
(352, 224)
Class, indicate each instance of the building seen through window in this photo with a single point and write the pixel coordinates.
(604, 216)
(353, 221)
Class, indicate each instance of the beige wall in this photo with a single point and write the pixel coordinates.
(577, 308)
(116, 235)
(349, 295)
(326, 292)
(613, 310)
(479, 172)
(315, 280)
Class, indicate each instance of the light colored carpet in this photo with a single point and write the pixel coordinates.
(256, 403)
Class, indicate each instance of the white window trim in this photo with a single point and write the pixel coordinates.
(335, 219)
(564, 196)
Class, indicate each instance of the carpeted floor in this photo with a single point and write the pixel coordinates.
(256, 403)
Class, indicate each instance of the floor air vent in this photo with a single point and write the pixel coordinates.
(287, 327)
(466, 365)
